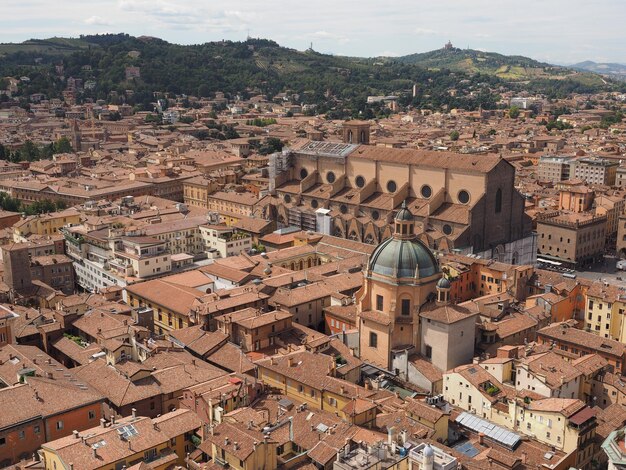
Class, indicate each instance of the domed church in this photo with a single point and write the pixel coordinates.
(404, 305)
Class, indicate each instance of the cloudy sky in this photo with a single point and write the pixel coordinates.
(558, 31)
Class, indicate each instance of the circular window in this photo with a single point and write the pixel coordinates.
(303, 173)
(314, 204)
(426, 191)
(463, 197)
(375, 215)
(359, 181)
(287, 198)
(343, 208)
(391, 186)
(447, 229)
(330, 177)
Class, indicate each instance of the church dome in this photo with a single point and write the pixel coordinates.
(444, 283)
(403, 258)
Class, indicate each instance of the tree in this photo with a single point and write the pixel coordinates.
(115, 116)
(62, 145)
(454, 135)
(29, 152)
(514, 112)
(271, 145)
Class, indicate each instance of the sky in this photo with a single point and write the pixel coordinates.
(555, 31)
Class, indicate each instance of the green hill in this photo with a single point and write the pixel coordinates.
(509, 68)
(48, 47)
(254, 66)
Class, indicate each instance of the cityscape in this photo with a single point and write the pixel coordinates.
(237, 253)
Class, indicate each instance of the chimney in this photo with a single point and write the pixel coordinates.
(95, 453)
(342, 390)
(76, 435)
(290, 362)
(49, 375)
(193, 362)
(524, 457)
(112, 419)
(225, 441)
(103, 422)
(71, 466)
(134, 411)
(155, 426)
(273, 360)
(235, 445)
(481, 438)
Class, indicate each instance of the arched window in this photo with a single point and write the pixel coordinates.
(349, 137)
(498, 201)
(362, 137)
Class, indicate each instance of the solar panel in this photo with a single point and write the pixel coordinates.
(322, 427)
(467, 448)
(492, 431)
(127, 431)
(98, 444)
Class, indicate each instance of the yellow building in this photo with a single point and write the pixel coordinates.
(171, 304)
(163, 442)
(196, 191)
(44, 224)
(235, 446)
(565, 423)
(604, 311)
(233, 203)
(429, 416)
(308, 377)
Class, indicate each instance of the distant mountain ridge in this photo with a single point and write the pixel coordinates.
(609, 69)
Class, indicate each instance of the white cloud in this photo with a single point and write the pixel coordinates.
(97, 20)
(328, 36)
(356, 27)
(388, 54)
(425, 32)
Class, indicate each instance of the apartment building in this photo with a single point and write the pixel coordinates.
(309, 378)
(44, 224)
(237, 446)
(567, 337)
(235, 204)
(252, 329)
(160, 442)
(196, 191)
(594, 170)
(605, 309)
(221, 241)
(612, 207)
(42, 410)
(554, 168)
(566, 424)
(620, 177)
